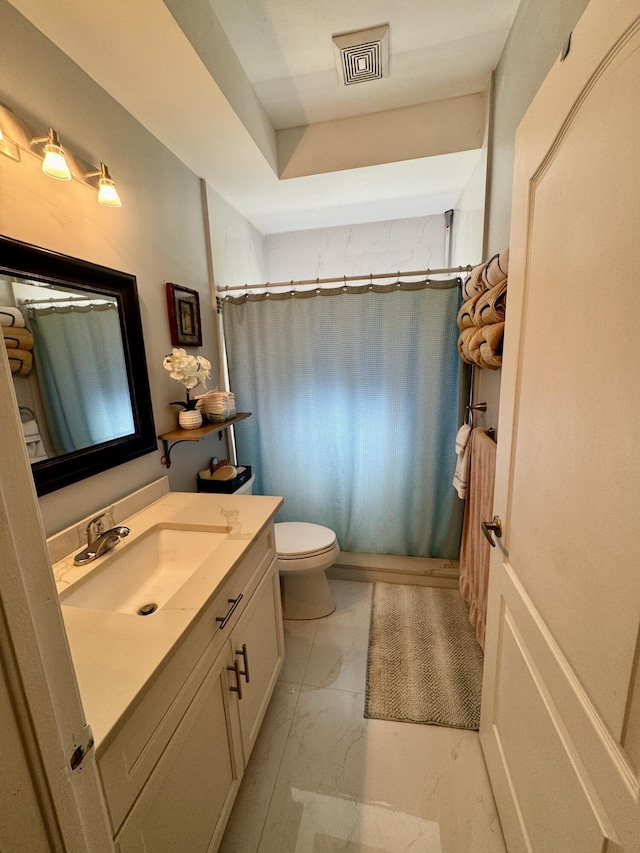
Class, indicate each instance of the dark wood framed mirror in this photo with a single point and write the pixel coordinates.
(76, 351)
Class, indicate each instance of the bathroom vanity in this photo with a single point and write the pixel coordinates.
(176, 698)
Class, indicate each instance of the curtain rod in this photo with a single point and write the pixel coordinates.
(345, 278)
(65, 299)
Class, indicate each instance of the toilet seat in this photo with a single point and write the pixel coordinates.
(303, 552)
(299, 540)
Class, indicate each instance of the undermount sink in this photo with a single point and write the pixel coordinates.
(140, 576)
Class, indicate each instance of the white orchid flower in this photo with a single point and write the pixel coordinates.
(187, 369)
(204, 369)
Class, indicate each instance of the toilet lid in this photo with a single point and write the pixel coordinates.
(296, 539)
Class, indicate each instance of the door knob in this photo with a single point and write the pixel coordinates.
(489, 527)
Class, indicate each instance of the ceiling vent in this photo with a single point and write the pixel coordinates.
(363, 55)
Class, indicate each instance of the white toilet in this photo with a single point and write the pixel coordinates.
(304, 552)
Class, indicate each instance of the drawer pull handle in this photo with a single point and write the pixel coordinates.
(245, 656)
(238, 688)
(234, 602)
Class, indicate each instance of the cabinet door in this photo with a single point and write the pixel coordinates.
(186, 801)
(257, 642)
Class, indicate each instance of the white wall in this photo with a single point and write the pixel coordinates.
(539, 31)
(158, 234)
(238, 258)
(375, 247)
(237, 246)
(468, 220)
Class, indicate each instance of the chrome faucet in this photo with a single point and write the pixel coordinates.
(99, 540)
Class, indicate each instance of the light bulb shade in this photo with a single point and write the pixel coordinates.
(107, 193)
(54, 163)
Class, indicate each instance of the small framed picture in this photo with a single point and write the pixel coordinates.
(184, 316)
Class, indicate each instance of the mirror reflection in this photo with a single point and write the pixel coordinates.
(66, 355)
(73, 336)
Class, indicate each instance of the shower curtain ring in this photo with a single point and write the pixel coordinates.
(317, 286)
(268, 291)
(344, 286)
(370, 281)
(293, 290)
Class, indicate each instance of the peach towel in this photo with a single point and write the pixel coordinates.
(482, 314)
(489, 352)
(15, 337)
(475, 550)
(497, 269)
(466, 314)
(463, 344)
(474, 282)
(491, 306)
(10, 316)
(20, 361)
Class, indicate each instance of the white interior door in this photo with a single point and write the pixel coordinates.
(561, 706)
(38, 682)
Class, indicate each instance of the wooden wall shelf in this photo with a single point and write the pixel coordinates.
(175, 436)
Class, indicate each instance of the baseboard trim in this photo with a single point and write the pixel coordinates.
(388, 568)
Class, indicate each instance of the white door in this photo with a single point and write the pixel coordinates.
(561, 706)
(38, 680)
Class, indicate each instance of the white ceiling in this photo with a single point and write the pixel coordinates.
(438, 49)
(222, 121)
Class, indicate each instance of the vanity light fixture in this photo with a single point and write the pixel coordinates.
(54, 163)
(107, 193)
(16, 136)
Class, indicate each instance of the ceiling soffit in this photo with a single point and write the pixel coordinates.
(425, 130)
(217, 127)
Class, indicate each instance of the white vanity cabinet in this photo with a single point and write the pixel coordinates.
(172, 771)
(257, 644)
(184, 804)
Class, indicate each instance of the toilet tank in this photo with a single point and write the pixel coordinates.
(246, 488)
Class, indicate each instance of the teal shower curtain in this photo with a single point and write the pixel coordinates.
(82, 374)
(355, 408)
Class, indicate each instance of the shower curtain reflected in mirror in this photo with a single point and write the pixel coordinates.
(355, 402)
(81, 373)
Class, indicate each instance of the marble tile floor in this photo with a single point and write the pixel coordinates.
(323, 779)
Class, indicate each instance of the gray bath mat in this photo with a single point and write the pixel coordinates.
(424, 664)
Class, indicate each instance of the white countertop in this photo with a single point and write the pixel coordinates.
(115, 654)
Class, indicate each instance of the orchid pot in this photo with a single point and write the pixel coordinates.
(190, 418)
(191, 371)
